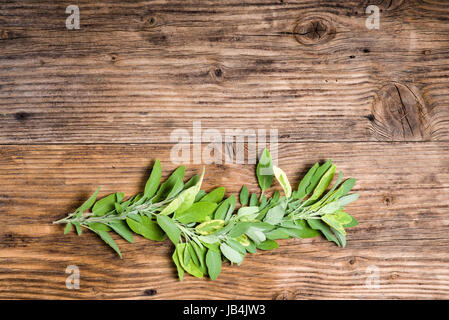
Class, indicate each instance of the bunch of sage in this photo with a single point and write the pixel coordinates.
(206, 228)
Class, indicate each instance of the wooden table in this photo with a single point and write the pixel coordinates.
(97, 105)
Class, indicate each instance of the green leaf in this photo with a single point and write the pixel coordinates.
(277, 234)
(317, 224)
(189, 266)
(247, 213)
(333, 221)
(251, 247)
(234, 244)
(353, 223)
(319, 172)
(119, 196)
(97, 226)
(146, 228)
(267, 245)
(201, 254)
(341, 237)
(199, 195)
(170, 228)
(323, 184)
(192, 181)
(243, 240)
(231, 254)
(209, 227)
(224, 207)
(104, 205)
(184, 200)
(239, 229)
(213, 262)
(178, 264)
(171, 185)
(78, 228)
(281, 177)
(215, 195)
(343, 201)
(67, 228)
(107, 238)
(263, 201)
(275, 215)
(254, 201)
(198, 212)
(256, 235)
(264, 170)
(244, 194)
(122, 229)
(153, 180)
(89, 202)
(305, 182)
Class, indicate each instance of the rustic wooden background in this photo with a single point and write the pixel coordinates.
(96, 106)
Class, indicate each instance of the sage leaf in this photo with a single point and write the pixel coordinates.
(319, 172)
(107, 238)
(253, 200)
(275, 215)
(172, 183)
(353, 223)
(213, 262)
(341, 237)
(178, 265)
(97, 226)
(154, 180)
(147, 228)
(78, 228)
(305, 182)
(122, 229)
(231, 254)
(239, 229)
(170, 228)
(192, 181)
(267, 245)
(198, 212)
(281, 177)
(67, 228)
(343, 201)
(209, 227)
(322, 185)
(264, 170)
(317, 224)
(214, 196)
(224, 207)
(104, 205)
(244, 194)
(89, 202)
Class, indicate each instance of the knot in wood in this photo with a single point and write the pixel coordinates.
(313, 30)
(399, 113)
(4, 34)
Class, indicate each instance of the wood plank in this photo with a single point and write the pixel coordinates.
(403, 215)
(145, 68)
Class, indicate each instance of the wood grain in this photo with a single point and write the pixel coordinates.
(96, 106)
(143, 68)
(402, 213)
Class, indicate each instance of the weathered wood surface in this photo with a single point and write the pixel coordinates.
(96, 106)
(142, 68)
(402, 213)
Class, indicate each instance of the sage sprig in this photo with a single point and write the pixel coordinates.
(206, 228)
